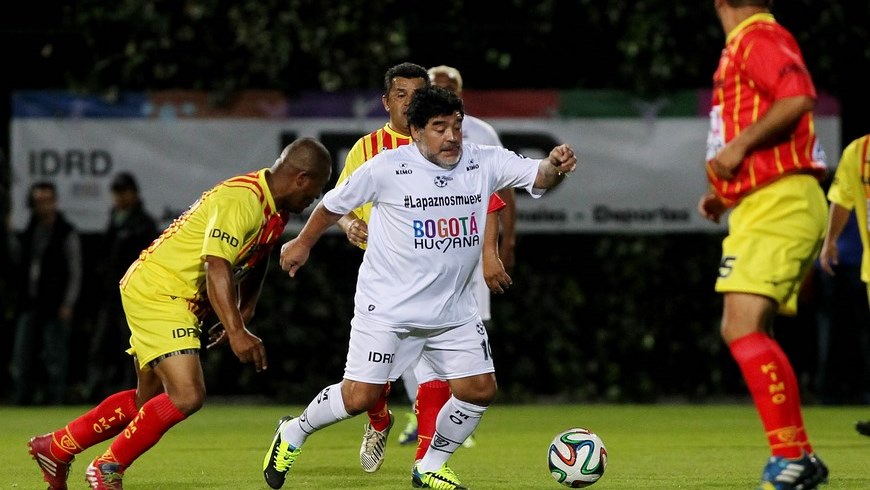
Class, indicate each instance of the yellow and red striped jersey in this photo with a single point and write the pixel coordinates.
(235, 220)
(385, 138)
(761, 63)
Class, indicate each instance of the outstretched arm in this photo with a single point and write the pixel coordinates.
(552, 170)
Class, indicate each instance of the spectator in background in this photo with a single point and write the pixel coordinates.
(851, 190)
(48, 274)
(129, 231)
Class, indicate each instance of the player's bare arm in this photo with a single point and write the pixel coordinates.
(553, 169)
(711, 207)
(830, 255)
(222, 296)
(779, 121)
(249, 293)
(295, 253)
(494, 274)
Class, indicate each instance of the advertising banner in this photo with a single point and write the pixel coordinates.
(636, 175)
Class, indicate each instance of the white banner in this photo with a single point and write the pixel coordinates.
(635, 175)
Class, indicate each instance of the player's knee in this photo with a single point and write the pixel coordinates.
(188, 402)
(360, 397)
(479, 391)
(484, 396)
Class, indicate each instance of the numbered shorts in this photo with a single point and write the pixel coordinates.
(379, 353)
(158, 323)
(774, 236)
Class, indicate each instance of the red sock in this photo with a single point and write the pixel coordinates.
(774, 388)
(379, 414)
(156, 417)
(99, 424)
(431, 396)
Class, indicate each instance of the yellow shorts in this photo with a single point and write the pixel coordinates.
(774, 236)
(159, 324)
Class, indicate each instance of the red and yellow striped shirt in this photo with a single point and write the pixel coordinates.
(761, 63)
(365, 148)
(235, 220)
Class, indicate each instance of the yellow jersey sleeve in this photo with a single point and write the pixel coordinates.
(355, 158)
(847, 177)
(232, 215)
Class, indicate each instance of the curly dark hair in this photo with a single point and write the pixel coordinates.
(430, 102)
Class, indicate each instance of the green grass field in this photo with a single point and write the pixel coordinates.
(649, 446)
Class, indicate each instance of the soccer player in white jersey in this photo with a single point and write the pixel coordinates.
(413, 295)
(432, 392)
(426, 392)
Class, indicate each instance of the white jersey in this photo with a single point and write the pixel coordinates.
(478, 131)
(426, 230)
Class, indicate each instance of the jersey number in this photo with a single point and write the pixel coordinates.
(487, 349)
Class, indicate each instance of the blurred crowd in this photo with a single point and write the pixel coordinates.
(42, 292)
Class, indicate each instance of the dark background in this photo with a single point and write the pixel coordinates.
(599, 317)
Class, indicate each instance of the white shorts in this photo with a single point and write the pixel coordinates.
(424, 373)
(379, 353)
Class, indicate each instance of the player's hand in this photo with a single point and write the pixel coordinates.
(829, 257)
(711, 207)
(562, 157)
(727, 161)
(249, 348)
(217, 335)
(494, 274)
(293, 256)
(358, 233)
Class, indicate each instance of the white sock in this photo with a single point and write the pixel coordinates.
(324, 410)
(456, 421)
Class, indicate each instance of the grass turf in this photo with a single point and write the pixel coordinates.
(649, 446)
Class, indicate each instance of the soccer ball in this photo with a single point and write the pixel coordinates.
(577, 458)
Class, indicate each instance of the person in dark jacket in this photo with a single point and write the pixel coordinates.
(129, 231)
(48, 274)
